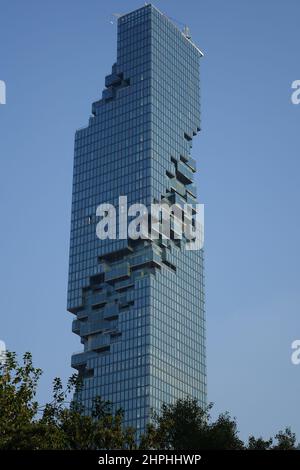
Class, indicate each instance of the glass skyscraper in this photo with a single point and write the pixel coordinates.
(139, 304)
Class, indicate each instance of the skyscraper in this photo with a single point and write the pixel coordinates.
(139, 304)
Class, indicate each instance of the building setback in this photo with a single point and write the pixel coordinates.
(139, 304)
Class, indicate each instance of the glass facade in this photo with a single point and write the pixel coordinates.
(139, 304)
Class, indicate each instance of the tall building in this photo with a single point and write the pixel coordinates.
(139, 304)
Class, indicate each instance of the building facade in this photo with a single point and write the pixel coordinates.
(139, 304)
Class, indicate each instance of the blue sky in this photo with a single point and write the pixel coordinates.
(54, 57)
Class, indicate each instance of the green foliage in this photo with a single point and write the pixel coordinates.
(25, 425)
(259, 443)
(18, 407)
(62, 424)
(286, 440)
(185, 425)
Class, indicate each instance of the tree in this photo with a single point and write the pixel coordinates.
(60, 426)
(286, 440)
(259, 443)
(18, 407)
(186, 425)
(177, 426)
(223, 434)
(66, 424)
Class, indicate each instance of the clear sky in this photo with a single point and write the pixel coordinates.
(54, 57)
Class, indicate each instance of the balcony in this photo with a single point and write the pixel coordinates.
(112, 79)
(76, 327)
(147, 258)
(191, 189)
(110, 310)
(82, 314)
(191, 162)
(99, 298)
(80, 358)
(120, 272)
(96, 326)
(184, 173)
(124, 285)
(177, 187)
(100, 342)
(108, 94)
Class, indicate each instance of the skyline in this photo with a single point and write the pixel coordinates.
(249, 174)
